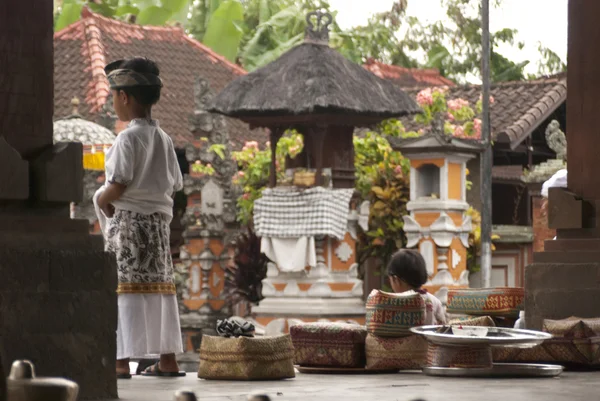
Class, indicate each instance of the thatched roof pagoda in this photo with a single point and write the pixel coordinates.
(316, 90)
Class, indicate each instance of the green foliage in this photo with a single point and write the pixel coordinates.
(147, 12)
(223, 32)
(255, 165)
(69, 13)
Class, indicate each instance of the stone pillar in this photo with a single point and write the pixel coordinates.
(209, 220)
(541, 231)
(57, 292)
(564, 280)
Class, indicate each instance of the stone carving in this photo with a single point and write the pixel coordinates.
(556, 139)
(209, 220)
(344, 252)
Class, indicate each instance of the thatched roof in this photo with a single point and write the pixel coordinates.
(313, 79)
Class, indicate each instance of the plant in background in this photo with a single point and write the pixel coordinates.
(474, 251)
(382, 179)
(202, 169)
(255, 165)
(243, 283)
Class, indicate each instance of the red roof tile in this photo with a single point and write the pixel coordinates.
(408, 77)
(82, 49)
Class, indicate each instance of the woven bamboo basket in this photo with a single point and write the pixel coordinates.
(243, 358)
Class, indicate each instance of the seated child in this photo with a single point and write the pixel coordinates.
(407, 272)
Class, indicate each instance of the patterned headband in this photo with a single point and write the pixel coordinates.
(122, 78)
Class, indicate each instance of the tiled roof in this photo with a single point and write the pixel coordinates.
(519, 107)
(408, 77)
(82, 49)
(507, 173)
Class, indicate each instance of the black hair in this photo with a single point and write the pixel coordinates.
(409, 266)
(145, 95)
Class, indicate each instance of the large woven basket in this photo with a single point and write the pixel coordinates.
(393, 315)
(576, 344)
(500, 301)
(326, 344)
(406, 353)
(262, 358)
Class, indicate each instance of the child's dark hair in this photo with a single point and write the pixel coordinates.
(145, 95)
(409, 266)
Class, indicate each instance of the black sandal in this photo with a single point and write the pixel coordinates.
(154, 371)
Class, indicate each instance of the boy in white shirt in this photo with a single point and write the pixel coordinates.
(135, 208)
(407, 272)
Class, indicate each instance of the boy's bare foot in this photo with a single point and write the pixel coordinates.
(167, 366)
(123, 369)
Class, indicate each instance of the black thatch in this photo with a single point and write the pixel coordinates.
(313, 79)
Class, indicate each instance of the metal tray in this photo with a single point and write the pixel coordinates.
(497, 337)
(508, 370)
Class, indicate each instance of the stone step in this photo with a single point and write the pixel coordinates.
(567, 257)
(570, 245)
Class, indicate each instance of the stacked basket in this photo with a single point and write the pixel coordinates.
(390, 345)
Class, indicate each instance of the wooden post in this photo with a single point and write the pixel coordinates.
(274, 136)
(583, 101)
(318, 139)
(487, 155)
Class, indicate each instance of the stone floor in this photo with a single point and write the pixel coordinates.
(389, 387)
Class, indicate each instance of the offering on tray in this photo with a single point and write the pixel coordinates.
(469, 331)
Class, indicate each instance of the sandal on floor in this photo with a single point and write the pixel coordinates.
(154, 371)
(123, 375)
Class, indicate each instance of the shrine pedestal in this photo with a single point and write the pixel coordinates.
(330, 291)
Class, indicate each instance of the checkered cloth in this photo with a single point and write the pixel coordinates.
(293, 213)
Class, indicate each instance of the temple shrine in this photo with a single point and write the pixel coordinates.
(437, 224)
(308, 226)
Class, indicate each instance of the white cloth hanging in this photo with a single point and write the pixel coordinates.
(290, 254)
(558, 180)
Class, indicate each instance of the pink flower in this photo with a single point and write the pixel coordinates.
(477, 128)
(457, 104)
(425, 97)
(398, 170)
(459, 131)
(450, 116)
(294, 149)
(241, 174)
(246, 196)
(209, 165)
(421, 131)
(268, 144)
(492, 100)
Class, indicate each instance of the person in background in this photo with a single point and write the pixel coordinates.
(135, 208)
(408, 273)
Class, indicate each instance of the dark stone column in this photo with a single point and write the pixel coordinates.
(564, 280)
(58, 303)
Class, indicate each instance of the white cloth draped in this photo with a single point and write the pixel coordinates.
(290, 254)
(558, 180)
(148, 326)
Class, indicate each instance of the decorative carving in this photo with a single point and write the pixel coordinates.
(107, 116)
(319, 32)
(556, 139)
(344, 251)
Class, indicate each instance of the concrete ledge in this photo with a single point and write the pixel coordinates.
(561, 290)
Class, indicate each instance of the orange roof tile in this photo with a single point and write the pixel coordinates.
(407, 77)
(83, 49)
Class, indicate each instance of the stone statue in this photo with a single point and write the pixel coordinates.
(556, 139)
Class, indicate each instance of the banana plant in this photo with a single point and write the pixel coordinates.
(147, 12)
